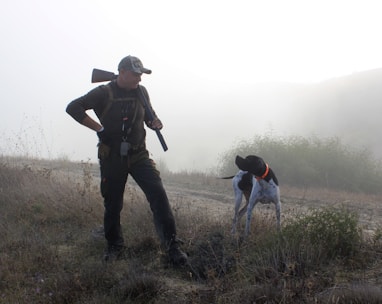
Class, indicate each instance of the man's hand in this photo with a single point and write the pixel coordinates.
(156, 124)
(102, 136)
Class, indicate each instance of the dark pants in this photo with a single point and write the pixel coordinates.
(114, 174)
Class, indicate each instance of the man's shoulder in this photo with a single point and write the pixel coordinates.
(104, 91)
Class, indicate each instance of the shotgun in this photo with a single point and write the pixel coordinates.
(101, 75)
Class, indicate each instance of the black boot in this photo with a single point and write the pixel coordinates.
(176, 256)
(113, 253)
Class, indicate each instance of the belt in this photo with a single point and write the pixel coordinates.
(136, 150)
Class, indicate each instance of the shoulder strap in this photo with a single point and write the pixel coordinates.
(110, 102)
(108, 105)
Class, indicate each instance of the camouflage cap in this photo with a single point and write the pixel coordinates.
(131, 63)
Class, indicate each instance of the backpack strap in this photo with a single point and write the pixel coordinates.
(109, 103)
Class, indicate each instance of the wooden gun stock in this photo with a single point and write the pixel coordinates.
(101, 75)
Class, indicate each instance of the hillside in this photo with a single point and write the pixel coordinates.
(348, 107)
(50, 255)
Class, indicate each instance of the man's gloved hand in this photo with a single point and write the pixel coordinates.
(156, 124)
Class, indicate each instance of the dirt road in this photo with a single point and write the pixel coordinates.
(216, 197)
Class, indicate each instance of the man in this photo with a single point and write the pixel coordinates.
(122, 151)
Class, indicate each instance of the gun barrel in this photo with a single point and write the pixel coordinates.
(151, 117)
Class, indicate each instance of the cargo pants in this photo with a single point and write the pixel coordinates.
(114, 174)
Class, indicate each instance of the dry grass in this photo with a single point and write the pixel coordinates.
(48, 253)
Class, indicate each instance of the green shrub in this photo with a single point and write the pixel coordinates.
(307, 162)
(330, 232)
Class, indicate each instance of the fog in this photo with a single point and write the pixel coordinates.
(222, 71)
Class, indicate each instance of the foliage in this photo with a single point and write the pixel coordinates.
(311, 162)
(330, 232)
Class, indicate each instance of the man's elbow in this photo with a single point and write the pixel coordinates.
(68, 109)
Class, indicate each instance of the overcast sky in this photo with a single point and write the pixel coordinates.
(198, 51)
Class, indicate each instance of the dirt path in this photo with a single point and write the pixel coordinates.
(218, 200)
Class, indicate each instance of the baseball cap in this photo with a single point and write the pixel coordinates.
(133, 64)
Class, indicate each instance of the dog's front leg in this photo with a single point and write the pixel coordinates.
(238, 199)
(276, 200)
(253, 200)
(278, 211)
(251, 206)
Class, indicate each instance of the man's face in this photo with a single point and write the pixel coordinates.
(128, 80)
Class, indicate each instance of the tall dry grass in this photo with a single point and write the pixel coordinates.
(48, 253)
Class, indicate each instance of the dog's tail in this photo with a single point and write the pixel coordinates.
(227, 177)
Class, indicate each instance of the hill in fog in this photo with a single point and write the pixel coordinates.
(346, 107)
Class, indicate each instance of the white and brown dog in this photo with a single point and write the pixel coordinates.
(258, 183)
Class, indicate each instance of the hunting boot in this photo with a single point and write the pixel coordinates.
(176, 256)
(113, 253)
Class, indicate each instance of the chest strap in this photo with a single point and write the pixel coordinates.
(110, 102)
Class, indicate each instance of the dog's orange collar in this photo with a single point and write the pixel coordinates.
(265, 173)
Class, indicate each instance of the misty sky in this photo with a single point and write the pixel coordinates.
(203, 55)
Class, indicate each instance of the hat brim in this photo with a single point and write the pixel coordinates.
(142, 70)
(146, 71)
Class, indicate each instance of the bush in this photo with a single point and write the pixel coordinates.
(307, 162)
(329, 232)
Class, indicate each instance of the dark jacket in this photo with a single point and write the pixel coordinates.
(123, 119)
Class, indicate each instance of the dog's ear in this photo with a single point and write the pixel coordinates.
(241, 163)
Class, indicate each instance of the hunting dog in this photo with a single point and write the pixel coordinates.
(258, 183)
